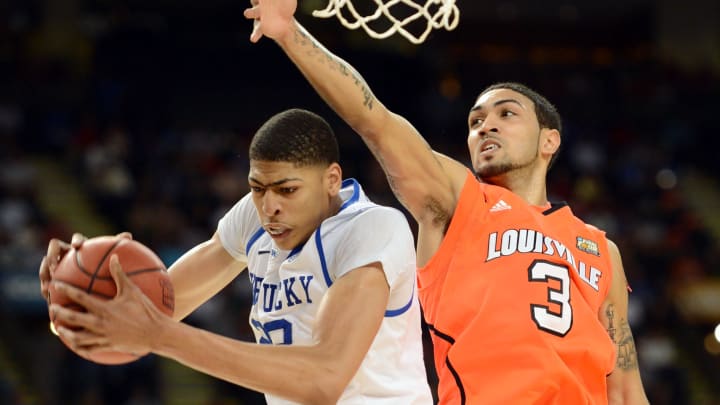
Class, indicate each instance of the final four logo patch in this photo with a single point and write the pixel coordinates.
(588, 246)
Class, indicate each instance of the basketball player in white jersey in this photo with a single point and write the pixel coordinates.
(333, 278)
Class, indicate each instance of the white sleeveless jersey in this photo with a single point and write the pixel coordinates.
(288, 287)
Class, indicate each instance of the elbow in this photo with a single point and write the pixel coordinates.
(326, 387)
(323, 397)
(627, 396)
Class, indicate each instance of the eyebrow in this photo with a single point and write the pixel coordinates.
(497, 103)
(273, 184)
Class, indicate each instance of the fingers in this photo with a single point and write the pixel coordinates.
(77, 240)
(92, 304)
(125, 235)
(45, 278)
(70, 318)
(82, 341)
(55, 251)
(252, 13)
(256, 32)
(121, 280)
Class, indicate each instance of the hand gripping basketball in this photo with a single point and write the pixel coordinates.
(104, 311)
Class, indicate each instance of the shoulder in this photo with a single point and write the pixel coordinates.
(240, 227)
(241, 219)
(615, 257)
(372, 227)
(612, 247)
(619, 283)
(566, 213)
(377, 218)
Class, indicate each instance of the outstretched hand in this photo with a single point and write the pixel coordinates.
(55, 252)
(127, 323)
(272, 18)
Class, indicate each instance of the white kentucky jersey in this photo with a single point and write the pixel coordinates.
(288, 287)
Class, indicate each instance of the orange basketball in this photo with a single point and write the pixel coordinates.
(88, 268)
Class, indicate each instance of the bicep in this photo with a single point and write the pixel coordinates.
(201, 273)
(624, 383)
(423, 181)
(349, 317)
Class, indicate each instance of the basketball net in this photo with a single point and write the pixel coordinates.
(437, 13)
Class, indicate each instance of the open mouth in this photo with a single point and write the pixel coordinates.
(276, 231)
(489, 147)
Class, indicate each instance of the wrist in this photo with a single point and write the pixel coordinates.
(161, 338)
(289, 34)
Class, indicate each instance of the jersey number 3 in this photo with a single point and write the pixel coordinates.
(547, 319)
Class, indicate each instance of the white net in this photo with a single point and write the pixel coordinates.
(437, 14)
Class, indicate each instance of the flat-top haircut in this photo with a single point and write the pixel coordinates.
(296, 136)
(547, 115)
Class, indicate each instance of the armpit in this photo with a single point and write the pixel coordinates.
(439, 216)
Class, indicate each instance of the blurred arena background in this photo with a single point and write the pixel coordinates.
(135, 115)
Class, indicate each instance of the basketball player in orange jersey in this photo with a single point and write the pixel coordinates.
(526, 303)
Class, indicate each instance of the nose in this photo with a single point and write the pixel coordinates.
(270, 204)
(488, 126)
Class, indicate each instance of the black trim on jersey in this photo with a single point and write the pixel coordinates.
(554, 207)
(457, 380)
(451, 340)
(441, 335)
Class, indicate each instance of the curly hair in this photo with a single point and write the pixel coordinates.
(296, 136)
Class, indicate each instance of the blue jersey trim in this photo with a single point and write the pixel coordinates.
(254, 239)
(295, 251)
(321, 252)
(395, 312)
(356, 192)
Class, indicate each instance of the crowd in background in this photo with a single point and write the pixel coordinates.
(152, 122)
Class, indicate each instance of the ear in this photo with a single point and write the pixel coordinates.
(333, 179)
(550, 141)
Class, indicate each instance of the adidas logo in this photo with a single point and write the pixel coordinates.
(500, 206)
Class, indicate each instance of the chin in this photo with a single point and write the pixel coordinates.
(493, 170)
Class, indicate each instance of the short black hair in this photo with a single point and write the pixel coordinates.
(297, 136)
(547, 115)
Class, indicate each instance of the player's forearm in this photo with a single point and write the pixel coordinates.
(336, 81)
(627, 393)
(297, 373)
(201, 273)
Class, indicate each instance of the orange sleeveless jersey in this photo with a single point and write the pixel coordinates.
(512, 299)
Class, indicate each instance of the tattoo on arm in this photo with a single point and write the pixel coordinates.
(610, 313)
(334, 63)
(623, 339)
(440, 214)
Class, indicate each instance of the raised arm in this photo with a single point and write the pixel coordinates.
(427, 187)
(348, 319)
(624, 383)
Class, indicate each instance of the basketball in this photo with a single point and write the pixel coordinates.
(88, 268)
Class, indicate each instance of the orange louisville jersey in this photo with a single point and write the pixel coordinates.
(512, 298)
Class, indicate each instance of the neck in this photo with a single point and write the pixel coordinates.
(528, 184)
(335, 204)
